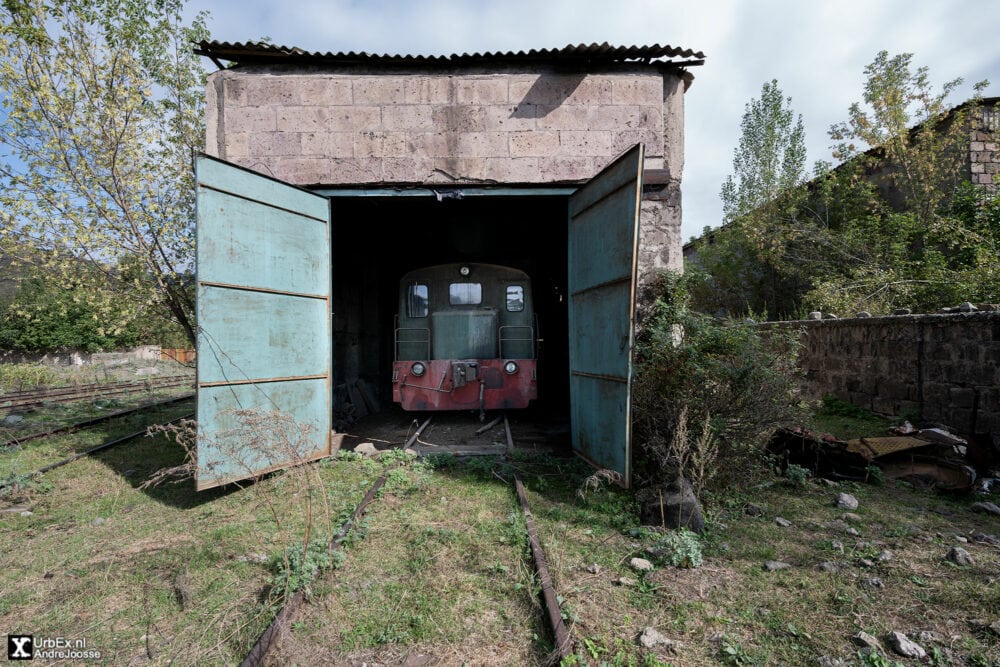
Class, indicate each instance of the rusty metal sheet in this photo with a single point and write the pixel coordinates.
(264, 337)
(603, 244)
(873, 448)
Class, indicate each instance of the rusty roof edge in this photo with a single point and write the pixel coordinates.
(258, 53)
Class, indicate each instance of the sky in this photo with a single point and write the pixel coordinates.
(817, 50)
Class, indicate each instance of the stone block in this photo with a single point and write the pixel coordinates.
(639, 90)
(976, 145)
(237, 145)
(250, 119)
(352, 119)
(576, 143)
(428, 90)
(454, 118)
(514, 170)
(326, 91)
(540, 143)
(567, 169)
(306, 119)
(328, 144)
(555, 90)
(407, 170)
(323, 171)
(428, 144)
(408, 117)
(563, 117)
(379, 90)
(632, 117)
(378, 144)
(268, 90)
(510, 117)
(267, 144)
(234, 91)
(480, 91)
(625, 139)
(480, 144)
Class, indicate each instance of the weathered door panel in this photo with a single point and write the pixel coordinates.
(603, 243)
(264, 339)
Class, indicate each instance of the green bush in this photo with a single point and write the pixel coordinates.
(733, 384)
(680, 548)
(21, 377)
(296, 568)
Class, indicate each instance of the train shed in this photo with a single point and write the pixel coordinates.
(327, 176)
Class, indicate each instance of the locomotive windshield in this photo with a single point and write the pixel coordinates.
(515, 298)
(416, 301)
(465, 294)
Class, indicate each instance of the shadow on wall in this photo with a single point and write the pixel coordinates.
(547, 93)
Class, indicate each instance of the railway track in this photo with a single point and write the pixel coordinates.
(38, 397)
(562, 641)
(94, 421)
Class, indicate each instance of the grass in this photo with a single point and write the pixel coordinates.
(440, 566)
(847, 421)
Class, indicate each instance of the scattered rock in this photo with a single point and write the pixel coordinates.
(11, 420)
(651, 638)
(671, 506)
(839, 525)
(967, 307)
(830, 316)
(884, 555)
(929, 636)
(594, 569)
(846, 501)
(784, 523)
(987, 539)
(959, 556)
(828, 566)
(99, 521)
(419, 660)
(901, 311)
(837, 545)
(826, 482)
(14, 509)
(862, 314)
(815, 315)
(864, 562)
(775, 565)
(865, 639)
(904, 647)
(411, 452)
(753, 510)
(986, 508)
(26, 513)
(367, 449)
(830, 661)
(873, 582)
(852, 517)
(961, 539)
(260, 559)
(640, 565)
(626, 581)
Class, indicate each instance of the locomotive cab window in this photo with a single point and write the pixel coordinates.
(465, 294)
(515, 298)
(416, 301)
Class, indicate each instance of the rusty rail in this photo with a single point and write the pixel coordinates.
(92, 422)
(273, 632)
(80, 392)
(562, 640)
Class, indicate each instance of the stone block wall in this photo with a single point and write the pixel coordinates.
(943, 367)
(311, 127)
(984, 148)
(462, 127)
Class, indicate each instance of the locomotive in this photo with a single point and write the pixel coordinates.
(465, 338)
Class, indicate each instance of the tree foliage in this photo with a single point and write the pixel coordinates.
(103, 106)
(892, 226)
(762, 194)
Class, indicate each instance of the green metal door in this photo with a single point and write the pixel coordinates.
(603, 240)
(264, 339)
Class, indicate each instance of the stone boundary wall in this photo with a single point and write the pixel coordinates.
(945, 368)
(984, 148)
(77, 358)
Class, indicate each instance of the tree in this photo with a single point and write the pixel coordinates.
(103, 106)
(758, 198)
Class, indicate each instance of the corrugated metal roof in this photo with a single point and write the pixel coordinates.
(582, 54)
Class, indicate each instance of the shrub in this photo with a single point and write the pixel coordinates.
(297, 567)
(680, 548)
(724, 377)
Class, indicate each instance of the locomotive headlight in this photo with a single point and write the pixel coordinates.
(464, 270)
(510, 368)
(418, 369)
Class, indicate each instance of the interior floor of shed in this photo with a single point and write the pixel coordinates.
(532, 430)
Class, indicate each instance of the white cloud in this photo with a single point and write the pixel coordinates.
(816, 50)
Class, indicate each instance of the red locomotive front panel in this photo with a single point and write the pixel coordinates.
(447, 384)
